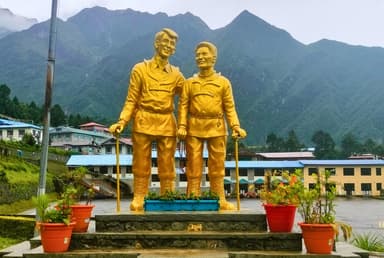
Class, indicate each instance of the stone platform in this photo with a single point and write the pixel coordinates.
(181, 234)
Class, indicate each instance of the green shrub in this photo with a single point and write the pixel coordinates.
(369, 241)
(17, 227)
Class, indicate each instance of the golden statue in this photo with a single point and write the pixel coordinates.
(206, 104)
(150, 104)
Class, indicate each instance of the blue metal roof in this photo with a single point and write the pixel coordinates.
(264, 164)
(99, 160)
(346, 162)
(4, 123)
(66, 129)
(110, 159)
(126, 160)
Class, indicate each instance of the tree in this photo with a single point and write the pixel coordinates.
(29, 139)
(58, 116)
(5, 91)
(292, 143)
(350, 145)
(274, 143)
(324, 145)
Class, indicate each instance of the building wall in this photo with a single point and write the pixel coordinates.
(363, 183)
(16, 134)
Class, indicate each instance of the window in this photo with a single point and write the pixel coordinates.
(108, 149)
(329, 187)
(259, 172)
(183, 177)
(331, 170)
(378, 171)
(348, 171)
(312, 171)
(155, 178)
(243, 172)
(21, 132)
(349, 188)
(366, 187)
(365, 171)
(378, 186)
(9, 133)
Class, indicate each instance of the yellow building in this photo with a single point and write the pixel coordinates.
(351, 177)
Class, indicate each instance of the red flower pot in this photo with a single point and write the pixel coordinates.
(280, 218)
(55, 237)
(318, 238)
(81, 214)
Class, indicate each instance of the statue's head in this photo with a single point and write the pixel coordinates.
(205, 54)
(165, 42)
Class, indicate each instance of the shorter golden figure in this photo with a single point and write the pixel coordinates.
(205, 105)
(150, 104)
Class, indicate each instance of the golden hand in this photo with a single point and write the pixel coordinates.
(238, 132)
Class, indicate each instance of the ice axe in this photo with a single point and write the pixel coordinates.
(236, 138)
(117, 136)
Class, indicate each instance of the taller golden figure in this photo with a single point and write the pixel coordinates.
(205, 105)
(150, 104)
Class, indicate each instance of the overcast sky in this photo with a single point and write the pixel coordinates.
(356, 22)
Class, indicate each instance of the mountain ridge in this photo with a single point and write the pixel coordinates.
(279, 83)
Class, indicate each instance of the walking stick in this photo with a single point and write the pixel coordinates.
(237, 172)
(117, 172)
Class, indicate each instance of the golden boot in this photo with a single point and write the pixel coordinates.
(193, 187)
(217, 186)
(166, 185)
(140, 190)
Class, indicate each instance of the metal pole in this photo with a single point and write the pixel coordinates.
(48, 99)
(237, 172)
(117, 173)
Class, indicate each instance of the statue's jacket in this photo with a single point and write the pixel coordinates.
(150, 98)
(205, 105)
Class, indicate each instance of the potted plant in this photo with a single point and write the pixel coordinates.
(54, 224)
(317, 208)
(281, 196)
(76, 189)
(176, 201)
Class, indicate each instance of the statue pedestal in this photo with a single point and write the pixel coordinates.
(213, 230)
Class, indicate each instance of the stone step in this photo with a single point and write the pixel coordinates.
(15, 250)
(344, 250)
(204, 240)
(176, 221)
(182, 253)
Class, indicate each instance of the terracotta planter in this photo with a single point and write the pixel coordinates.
(81, 214)
(55, 237)
(318, 238)
(280, 218)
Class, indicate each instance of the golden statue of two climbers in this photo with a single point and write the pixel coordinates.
(206, 107)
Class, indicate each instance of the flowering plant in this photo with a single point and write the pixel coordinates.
(284, 189)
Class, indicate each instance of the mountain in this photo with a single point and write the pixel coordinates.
(279, 84)
(10, 22)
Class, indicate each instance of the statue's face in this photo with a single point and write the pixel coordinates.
(204, 58)
(166, 46)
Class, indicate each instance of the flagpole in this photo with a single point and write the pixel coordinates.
(48, 99)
